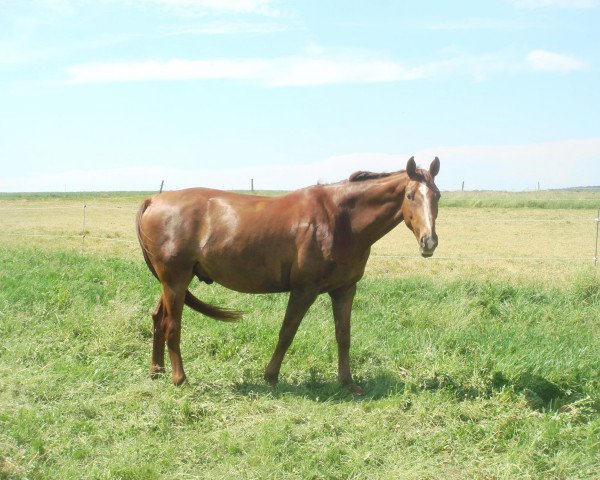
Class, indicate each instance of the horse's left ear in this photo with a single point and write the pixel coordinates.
(434, 168)
(411, 168)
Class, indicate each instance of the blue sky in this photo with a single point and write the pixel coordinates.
(111, 95)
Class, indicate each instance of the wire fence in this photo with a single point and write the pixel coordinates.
(84, 235)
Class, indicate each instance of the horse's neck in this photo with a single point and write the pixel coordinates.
(376, 208)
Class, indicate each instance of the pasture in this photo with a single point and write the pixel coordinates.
(481, 362)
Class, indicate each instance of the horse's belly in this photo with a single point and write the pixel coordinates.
(247, 273)
(276, 263)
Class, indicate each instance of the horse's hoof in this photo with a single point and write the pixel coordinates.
(178, 380)
(355, 390)
(271, 379)
(156, 371)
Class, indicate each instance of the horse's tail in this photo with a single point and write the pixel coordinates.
(138, 227)
(218, 313)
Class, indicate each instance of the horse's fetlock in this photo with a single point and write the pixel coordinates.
(178, 379)
(156, 371)
(271, 377)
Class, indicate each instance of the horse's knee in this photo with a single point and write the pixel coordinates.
(158, 327)
(157, 313)
(172, 334)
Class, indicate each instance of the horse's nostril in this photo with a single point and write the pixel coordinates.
(428, 243)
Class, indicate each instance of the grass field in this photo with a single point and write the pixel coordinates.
(482, 362)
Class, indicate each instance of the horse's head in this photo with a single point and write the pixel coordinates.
(420, 204)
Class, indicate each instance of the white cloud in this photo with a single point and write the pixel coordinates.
(571, 4)
(181, 8)
(482, 23)
(519, 167)
(554, 62)
(305, 71)
(504, 167)
(171, 70)
(227, 28)
(318, 66)
(278, 72)
(262, 7)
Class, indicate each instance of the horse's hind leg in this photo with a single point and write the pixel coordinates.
(157, 364)
(173, 301)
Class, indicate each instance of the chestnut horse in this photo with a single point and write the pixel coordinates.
(307, 242)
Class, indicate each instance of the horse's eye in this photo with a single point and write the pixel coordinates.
(410, 195)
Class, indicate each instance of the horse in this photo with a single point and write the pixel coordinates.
(307, 242)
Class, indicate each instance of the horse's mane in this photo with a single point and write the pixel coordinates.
(362, 175)
(421, 176)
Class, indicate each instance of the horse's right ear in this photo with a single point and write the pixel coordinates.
(411, 168)
(434, 168)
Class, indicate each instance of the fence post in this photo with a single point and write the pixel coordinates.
(597, 228)
(83, 229)
(161, 186)
(252, 185)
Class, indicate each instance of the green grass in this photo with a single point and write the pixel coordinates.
(464, 379)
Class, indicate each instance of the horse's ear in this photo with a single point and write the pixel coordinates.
(434, 168)
(411, 168)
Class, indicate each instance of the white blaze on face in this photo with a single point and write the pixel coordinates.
(427, 214)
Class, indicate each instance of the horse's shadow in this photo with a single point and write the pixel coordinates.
(317, 390)
(540, 393)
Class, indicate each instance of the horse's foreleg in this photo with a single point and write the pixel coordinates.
(341, 300)
(298, 304)
(157, 364)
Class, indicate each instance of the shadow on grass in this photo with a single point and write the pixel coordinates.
(540, 393)
(318, 390)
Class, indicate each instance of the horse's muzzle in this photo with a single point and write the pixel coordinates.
(428, 244)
